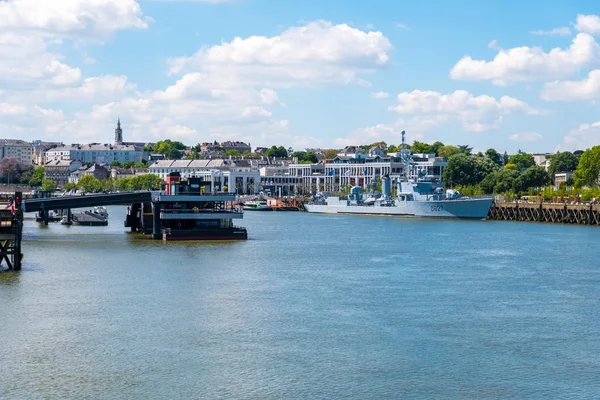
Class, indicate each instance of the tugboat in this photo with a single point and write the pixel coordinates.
(191, 211)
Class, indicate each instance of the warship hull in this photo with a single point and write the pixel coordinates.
(463, 208)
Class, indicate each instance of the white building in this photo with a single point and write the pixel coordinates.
(19, 149)
(356, 169)
(232, 176)
(102, 154)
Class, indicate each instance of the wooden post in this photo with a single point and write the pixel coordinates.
(156, 228)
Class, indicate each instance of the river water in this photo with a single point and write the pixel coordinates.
(310, 307)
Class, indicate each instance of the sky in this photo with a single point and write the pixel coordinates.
(509, 75)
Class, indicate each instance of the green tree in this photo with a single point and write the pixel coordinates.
(465, 148)
(588, 168)
(232, 153)
(48, 185)
(37, 177)
(277, 152)
(435, 147)
(108, 183)
(305, 157)
(11, 169)
(420, 147)
(123, 184)
(116, 164)
(448, 151)
(562, 162)
(331, 153)
(488, 183)
(505, 158)
(171, 149)
(70, 186)
(128, 164)
(391, 149)
(522, 161)
(505, 180)
(460, 170)
(493, 155)
(140, 164)
(483, 167)
(535, 176)
(89, 183)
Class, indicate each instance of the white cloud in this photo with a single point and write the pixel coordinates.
(318, 52)
(71, 18)
(526, 137)
(584, 137)
(268, 96)
(588, 23)
(380, 95)
(562, 31)
(586, 89)
(530, 63)
(493, 45)
(476, 113)
(403, 26)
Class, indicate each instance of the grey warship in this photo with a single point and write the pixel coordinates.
(416, 196)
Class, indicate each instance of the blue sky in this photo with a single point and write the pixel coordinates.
(504, 74)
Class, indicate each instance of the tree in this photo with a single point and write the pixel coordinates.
(70, 186)
(37, 177)
(483, 167)
(465, 148)
(89, 183)
(231, 153)
(435, 147)
(505, 180)
(448, 151)
(419, 147)
(128, 164)
(391, 149)
(493, 155)
(460, 170)
(48, 185)
(535, 176)
(488, 183)
(277, 152)
(505, 158)
(116, 164)
(522, 161)
(331, 153)
(11, 169)
(305, 157)
(171, 149)
(562, 162)
(588, 168)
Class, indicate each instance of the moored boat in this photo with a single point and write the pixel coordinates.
(417, 196)
(259, 205)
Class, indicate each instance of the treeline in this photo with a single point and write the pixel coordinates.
(89, 183)
(489, 173)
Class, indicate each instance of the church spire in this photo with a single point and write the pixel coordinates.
(118, 133)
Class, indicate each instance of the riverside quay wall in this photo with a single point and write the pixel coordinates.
(578, 214)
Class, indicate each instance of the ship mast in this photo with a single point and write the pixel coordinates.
(405, 157)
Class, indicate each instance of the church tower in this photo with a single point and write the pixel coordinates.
(118, 133)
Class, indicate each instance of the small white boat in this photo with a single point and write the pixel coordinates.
(257, 206)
